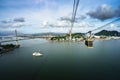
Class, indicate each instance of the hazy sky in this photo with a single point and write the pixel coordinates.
(36, 16)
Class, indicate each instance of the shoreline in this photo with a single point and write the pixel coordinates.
(79, 40)
(4, 51)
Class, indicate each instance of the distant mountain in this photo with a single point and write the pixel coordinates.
(52, 34)
(108, 33)
(45, 34)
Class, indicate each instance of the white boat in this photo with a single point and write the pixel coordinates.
(37, 54)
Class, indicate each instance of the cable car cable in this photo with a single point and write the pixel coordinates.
(105, 25)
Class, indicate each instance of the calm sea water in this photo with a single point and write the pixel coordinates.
(62, 61)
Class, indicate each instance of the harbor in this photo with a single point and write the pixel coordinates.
(59, 39)
(61, 59)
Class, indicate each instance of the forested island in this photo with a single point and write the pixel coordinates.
(7, 47)
(108, 33)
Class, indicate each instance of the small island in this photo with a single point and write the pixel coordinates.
(7, 47)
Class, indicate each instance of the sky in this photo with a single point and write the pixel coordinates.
(41, 16)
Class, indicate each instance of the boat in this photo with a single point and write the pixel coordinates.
(37, 54)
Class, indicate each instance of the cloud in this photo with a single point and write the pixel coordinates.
(65, 19)
(45, 23)
(103, 12)
(81, 17)
(112, 27)
(85, 24)
(5, 22)
(58, 24)
(77, 19)
(4, 26)
(13, 23)
(18, 25)
(19, 19)
(67, 24)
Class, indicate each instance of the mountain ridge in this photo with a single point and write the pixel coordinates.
(108, 33)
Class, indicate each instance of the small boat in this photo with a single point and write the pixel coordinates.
(37, 54)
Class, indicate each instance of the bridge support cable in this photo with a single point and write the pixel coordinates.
(105, 25)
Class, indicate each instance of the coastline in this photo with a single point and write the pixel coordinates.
(3, 51)
(82, 39)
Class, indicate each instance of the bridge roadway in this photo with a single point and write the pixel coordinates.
(25, 38)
